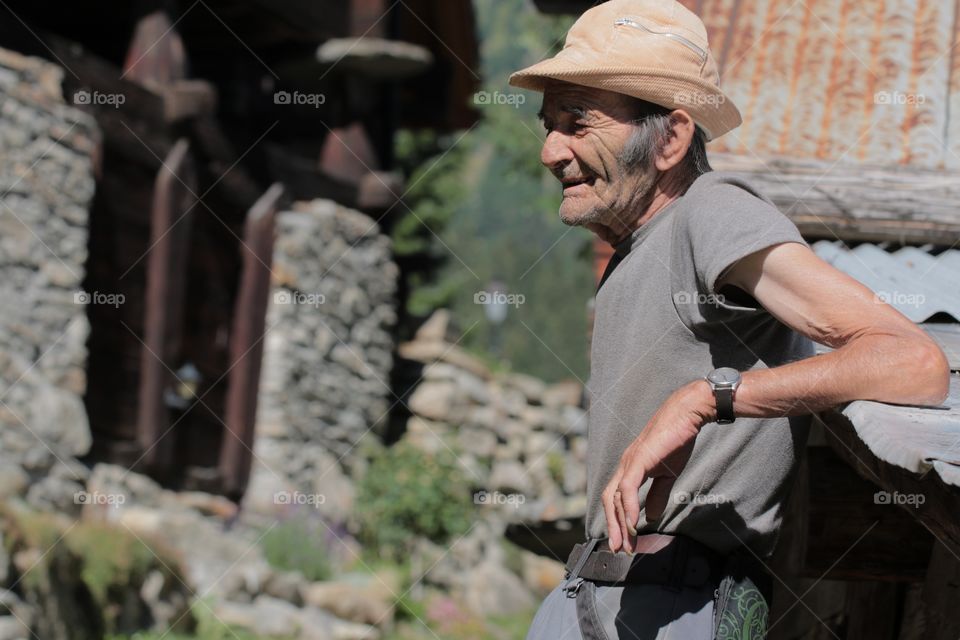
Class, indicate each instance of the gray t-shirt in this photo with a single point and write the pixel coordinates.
(660, 324)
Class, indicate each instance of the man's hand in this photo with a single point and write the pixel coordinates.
(661, 451)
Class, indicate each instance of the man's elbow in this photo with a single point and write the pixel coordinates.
(932, 374)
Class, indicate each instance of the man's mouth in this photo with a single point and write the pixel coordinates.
(571, 183)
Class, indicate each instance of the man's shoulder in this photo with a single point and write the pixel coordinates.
(726, 185)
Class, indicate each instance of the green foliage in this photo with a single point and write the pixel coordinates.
(407, 493)
(485, 209)
(101, 559)
(297, 544)
(113, 558)
(555, 465)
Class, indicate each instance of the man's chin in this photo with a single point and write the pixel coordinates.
(575, 216)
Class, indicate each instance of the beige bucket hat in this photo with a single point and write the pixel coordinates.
(655, 50)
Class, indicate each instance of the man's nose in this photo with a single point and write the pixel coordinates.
(556, 152)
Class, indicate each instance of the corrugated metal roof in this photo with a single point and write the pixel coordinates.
(867, 80)
(917, 283)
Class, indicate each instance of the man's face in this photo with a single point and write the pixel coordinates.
(587, 130)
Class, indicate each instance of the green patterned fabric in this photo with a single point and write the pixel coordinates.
(744, 616)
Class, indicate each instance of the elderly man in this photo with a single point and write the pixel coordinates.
(700, 367)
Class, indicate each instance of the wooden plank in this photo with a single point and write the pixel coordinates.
(156, 56)
(166, 275)
(941, 593)
(188, 99)
(940, 502)
(850, 534)
(872, 610)
(246, 343)
(856, 202)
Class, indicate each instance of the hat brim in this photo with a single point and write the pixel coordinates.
(709, 107)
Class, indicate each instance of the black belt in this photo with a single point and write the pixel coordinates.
(660, 559)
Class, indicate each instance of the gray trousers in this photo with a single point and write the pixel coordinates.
(591, 611)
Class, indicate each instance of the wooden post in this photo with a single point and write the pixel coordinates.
(166, 273)
(246, 343)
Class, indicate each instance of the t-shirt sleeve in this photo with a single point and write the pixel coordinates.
(728, 220)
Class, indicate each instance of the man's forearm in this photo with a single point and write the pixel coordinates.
(909, 370)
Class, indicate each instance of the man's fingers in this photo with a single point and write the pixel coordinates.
(630, 496)
(622, 520)
(658, 496)
(613, 527)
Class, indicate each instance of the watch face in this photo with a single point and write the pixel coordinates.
(723, 376)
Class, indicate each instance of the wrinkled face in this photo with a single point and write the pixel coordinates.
(587, 131)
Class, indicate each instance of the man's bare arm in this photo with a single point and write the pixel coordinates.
(879, 354)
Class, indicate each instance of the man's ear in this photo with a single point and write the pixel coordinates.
(675, 147)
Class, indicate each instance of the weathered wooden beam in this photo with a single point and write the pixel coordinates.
(246, 343)
(188, 99)
(856, 202)
(872, 609)
(850, 535)
(888, 466)
(941, 593)
(166, 275)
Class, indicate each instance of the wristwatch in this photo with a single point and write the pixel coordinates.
(724, 382)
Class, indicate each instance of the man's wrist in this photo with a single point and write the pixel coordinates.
(702, 402)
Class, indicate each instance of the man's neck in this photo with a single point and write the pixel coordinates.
(665, 191)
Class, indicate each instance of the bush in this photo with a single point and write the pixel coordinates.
(298, 544)
(407, 493)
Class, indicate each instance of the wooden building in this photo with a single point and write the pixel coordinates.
(202, 106)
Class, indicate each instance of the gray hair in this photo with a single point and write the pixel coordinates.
(651, 130)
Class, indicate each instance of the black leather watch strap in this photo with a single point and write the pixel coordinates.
(724, 399)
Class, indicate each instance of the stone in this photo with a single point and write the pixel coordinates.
(364, 598)
(434, 399)
(13, 479)
(509, 476)
(436, 328)
(532, 388)
(286, 585)
(426, 435)
(317, 624)
(12, 629)
(427, 352)
(561, 394)
(491, 589)
(265, 616)
(540, 574)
